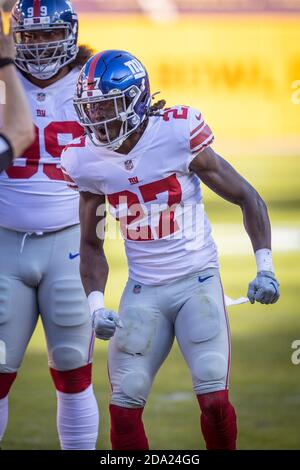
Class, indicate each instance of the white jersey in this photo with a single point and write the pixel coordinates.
(154, 195)
(33, 194)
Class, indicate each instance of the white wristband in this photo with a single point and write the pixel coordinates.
(95, 300)
(264, 260)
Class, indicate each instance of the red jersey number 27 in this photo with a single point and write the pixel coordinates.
(130, 222)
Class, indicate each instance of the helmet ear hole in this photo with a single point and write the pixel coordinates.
(134, 120)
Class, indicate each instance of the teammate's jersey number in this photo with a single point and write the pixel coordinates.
(33, 154)
(136, 211)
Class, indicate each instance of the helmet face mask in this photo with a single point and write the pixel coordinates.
(112, 99)
(45, 44)
(109, 119)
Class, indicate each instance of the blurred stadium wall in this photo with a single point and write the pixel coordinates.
(238, 61)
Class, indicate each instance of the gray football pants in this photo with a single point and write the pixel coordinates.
(40, 275)
(192, 309)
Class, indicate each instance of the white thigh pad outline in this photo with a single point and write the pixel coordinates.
(138, 331)
(202, 318)
(68, 305)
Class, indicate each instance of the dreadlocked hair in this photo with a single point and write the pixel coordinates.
(155, 109)
(83, 55)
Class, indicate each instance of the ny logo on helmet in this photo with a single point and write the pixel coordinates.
(136, 68)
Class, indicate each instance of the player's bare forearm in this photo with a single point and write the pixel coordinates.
(256, 221)
(225, 181)
(93, 269)
(93, 264)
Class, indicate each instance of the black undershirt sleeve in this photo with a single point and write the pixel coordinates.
(6, 153)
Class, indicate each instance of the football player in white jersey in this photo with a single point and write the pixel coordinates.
(39, 226)
(148, 162)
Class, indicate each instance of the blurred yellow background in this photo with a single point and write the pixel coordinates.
(238, 70)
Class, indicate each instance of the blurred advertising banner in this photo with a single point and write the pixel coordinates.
(184, 6)
(241, 71)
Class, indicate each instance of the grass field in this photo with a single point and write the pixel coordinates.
(265, 385)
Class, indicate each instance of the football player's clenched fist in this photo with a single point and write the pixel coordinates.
(104, 323)
(264, 288)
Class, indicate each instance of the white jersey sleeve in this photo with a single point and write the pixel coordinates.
(200, 134)
(77, 174)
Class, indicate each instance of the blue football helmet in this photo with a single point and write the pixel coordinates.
(113, 97)
(43, 60)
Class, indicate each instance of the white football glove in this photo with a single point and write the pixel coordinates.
(264, 288)
(104, 323)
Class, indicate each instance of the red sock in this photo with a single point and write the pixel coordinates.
(218, 421)
(72, 381)
(127, 430)
(6, 381)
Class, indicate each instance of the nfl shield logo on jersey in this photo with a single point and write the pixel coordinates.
(128, 164)
(41, 97)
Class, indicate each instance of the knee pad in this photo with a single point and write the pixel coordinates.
(210, 367)
(68, 303)
(137, 333)
(2, 354)
(7, 366)
(6, 381)
(67, 357)
(68, 310)
(135, 387)
(72, 381)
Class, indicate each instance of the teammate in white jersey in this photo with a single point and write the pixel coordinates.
(39, 226)
(148, 163)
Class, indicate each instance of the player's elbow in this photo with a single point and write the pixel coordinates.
(251, 198)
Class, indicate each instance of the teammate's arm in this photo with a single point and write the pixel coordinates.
(225, 181)
(93, 263)
(17, 131)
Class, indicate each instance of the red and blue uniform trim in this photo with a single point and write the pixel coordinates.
(36, 8)
(92, 70)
